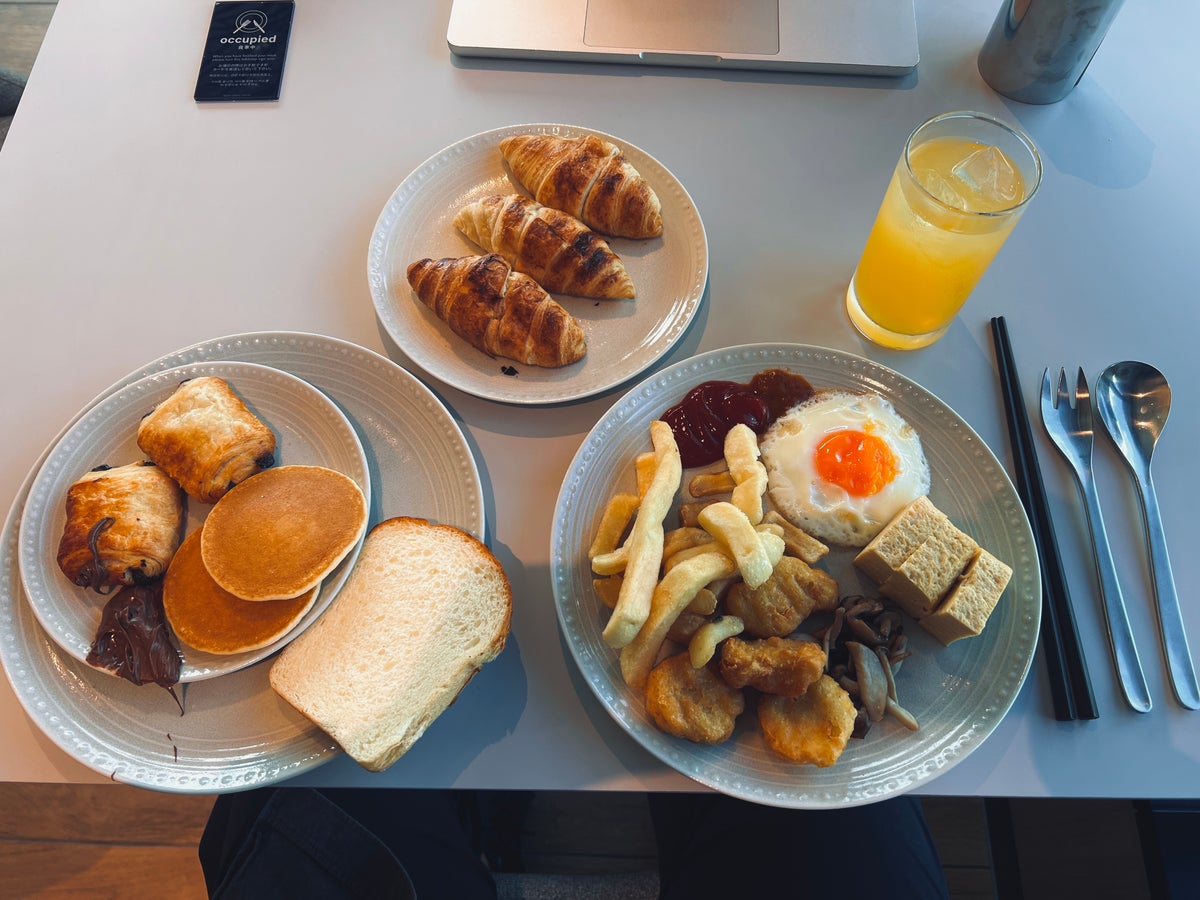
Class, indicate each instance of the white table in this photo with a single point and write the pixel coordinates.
(136, 222)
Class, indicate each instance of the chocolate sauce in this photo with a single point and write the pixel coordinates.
(135, 641)
(93, 573)
(704, 416)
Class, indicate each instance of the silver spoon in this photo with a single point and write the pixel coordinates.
(1133, 400)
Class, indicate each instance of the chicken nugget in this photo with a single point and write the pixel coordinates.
(776, 665)
(813, 729)
(692, 703)
(794, 591)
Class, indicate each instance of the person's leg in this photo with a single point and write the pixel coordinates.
(429, 832)
(299, 842)
(711, 845)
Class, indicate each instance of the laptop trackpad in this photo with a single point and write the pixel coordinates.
(703, 26)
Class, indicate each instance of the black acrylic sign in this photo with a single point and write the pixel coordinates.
(245, 50)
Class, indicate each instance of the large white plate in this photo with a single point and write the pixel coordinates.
(624, 336)
(958, 693)
(309, 430)
(236, 732)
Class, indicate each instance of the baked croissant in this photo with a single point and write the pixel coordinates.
(497, 310)
(205, 438)
(554, 249)
(123, 526)
(588, 178)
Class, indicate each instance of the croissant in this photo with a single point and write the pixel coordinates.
(205, 438)
(588, 178)
(497, 310)
(123, 526)
(554, 249)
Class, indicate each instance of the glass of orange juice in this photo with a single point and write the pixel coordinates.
(961, 184)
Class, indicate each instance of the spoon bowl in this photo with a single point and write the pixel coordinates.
(1133, 400)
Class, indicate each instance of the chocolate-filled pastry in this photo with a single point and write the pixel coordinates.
(123, 526)
(497, 310)
(205, 438)
(134, 640)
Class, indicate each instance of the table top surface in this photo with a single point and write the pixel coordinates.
(137, 222)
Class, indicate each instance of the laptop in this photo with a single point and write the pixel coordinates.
(855, 37)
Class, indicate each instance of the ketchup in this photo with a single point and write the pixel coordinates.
(704, 416)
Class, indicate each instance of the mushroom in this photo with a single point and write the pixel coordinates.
(872, 682)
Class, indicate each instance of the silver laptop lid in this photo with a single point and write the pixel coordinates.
(870, 37)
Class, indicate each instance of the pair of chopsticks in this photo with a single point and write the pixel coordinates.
(1070, 686)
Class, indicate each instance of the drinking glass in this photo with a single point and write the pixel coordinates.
(961, 184)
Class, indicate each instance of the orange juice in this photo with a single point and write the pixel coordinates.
(950, 205)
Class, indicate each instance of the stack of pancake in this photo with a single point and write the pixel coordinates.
(249, 574)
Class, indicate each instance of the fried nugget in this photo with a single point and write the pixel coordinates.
(794, 591)
(692, 703)
(811, 729)
(784, 666)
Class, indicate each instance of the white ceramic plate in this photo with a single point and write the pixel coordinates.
(958, 693)
(624, 336)
(236, 733)
(309, 430)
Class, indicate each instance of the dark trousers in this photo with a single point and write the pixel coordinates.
(361, 843)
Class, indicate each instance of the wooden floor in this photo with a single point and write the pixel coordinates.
(113, 841)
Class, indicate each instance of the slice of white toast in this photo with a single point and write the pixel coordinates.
(425, 607)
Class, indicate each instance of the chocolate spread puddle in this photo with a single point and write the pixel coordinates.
(135, 641)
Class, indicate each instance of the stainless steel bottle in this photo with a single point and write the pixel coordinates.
(1038, 50)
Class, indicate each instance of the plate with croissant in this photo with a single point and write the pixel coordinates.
(538, 263)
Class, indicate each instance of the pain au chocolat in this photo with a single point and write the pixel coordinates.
(205, 437)
(123, 526)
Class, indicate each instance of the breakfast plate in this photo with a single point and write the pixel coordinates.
(236, 733)
(309, 429)
(958, 693)
(624, 336)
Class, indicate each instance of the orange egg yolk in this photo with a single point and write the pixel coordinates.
(861, 463)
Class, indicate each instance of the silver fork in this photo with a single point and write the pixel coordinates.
(1067, 418)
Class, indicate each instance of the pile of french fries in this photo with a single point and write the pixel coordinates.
(653, 578)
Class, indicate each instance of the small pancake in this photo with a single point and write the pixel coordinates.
(207, 617)
(280, 532)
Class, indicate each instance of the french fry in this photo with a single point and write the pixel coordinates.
(685, 626)
(799, 542)
(644, 466)
(671, 597)
(708, 483)
(733, 531)
(749, 475)
(612, 563)
(607, 589)
(615, 519)
(704, 642)
(645, 542)
(689, 513)
(682, 538)
(704, 603)
(670, 562)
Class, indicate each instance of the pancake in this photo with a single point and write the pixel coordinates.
(279, 533)
(207, 617)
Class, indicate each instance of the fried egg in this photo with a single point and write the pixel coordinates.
(841, 464)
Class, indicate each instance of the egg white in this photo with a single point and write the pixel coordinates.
(828, 511)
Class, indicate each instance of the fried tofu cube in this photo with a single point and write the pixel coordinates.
(971, 601)
(813, 729)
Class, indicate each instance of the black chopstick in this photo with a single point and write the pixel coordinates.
(1070, 684)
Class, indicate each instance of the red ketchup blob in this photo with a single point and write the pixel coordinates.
(704, 416)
